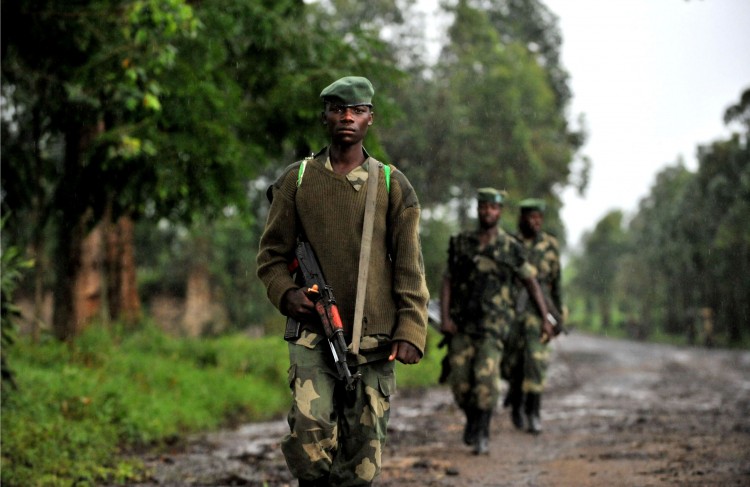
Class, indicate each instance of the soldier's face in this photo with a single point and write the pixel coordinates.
(532, 221)
(347, 125)
(489, 214)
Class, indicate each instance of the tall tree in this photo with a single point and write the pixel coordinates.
(487, 113)
(596, 269)
(530, 22)
(690, 246)
(84, 65)
(159, 109)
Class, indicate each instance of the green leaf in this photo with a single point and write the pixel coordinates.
(151, 102)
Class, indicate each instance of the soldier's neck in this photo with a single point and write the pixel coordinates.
(345, 158)
(488, 234)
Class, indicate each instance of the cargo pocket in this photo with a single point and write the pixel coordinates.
(387, 385)
(381, 406)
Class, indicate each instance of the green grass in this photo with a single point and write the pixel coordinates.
(427, 371)
(79, 409)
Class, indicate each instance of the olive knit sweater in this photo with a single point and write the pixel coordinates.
(329, 212)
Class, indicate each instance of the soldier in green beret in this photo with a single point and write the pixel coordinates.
(477, 310)
(527, 355)
(337, 436)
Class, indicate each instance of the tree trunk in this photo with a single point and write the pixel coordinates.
(66, 269)
(89, 281)
(122, 293)
(39, 219)
(198, 301)
(77, 289)
(76, 298)
(40, 267)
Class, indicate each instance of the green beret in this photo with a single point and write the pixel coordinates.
(349, 91)
(533, 204)
(490, 195)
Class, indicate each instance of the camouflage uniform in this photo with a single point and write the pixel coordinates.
(322, 445)
(482, 308)
(525, 363)
(526, 358)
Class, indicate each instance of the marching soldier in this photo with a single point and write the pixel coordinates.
(477, 310)
(527, 354)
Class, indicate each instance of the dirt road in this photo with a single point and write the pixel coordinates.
(617, 413)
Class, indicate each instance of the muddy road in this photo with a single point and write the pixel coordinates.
(617, 413)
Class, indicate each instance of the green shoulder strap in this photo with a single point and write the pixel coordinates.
(303, 165)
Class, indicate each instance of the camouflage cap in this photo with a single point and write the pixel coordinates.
(532, 204)
(490, 195)
(349, 91)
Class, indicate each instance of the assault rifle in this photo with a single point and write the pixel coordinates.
(321, 294)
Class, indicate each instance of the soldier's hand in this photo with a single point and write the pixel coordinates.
(296, 304)
(405, 352)
(548, 331)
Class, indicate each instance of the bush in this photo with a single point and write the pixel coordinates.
(77, 406)
(12, 265)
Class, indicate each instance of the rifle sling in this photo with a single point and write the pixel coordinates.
(364, 251)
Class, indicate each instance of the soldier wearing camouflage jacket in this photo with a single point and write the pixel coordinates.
(527, 354)
(477, 311)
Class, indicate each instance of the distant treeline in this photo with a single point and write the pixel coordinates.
(681, 264)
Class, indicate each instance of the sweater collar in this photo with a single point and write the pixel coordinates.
(357, 177)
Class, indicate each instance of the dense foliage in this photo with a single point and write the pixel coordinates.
(176, 113)
(681, 265)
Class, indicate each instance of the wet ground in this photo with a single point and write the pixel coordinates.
(617, 413)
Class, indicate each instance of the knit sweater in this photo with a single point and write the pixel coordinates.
(330, 212)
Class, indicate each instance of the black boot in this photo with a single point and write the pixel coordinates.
(470, 431)
(482, 442)
(514, 399)
(533, 418)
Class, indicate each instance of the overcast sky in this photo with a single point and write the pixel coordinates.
(652, 78)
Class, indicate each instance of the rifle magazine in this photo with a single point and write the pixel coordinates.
(292, 330)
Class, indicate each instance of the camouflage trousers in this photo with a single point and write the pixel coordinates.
(475, 371)
(335, 434)
(526, 359)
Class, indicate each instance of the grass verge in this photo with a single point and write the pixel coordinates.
(79, 407)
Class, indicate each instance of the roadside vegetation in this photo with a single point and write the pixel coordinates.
(79, 409)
